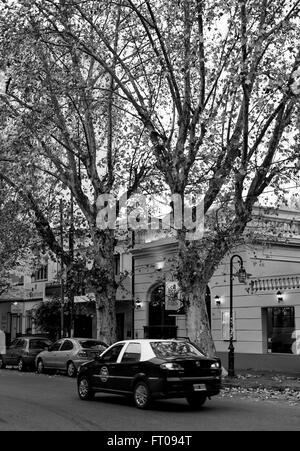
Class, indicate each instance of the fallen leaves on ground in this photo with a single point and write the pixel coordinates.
(263, 394)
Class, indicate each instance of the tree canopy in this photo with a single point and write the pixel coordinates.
(209, 98)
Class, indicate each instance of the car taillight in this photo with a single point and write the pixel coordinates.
(82, 354)
(171, 367)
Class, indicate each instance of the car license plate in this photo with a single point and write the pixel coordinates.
(199, 387)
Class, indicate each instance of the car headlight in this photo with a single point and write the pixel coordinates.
(215, 366)
(171, 367)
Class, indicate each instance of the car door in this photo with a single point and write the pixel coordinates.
(50, 357)
(128, 367)
(19, 350)
(11, 352)
(105, 371)
(64, 354)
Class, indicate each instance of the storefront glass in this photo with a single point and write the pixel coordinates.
(281, 329)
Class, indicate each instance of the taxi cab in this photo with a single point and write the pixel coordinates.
(149, 369)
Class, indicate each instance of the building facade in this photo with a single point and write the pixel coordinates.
(266, 306)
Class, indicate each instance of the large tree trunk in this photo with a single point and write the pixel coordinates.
(103, 281)
(193, 280)
(197, 322)
(106, 316)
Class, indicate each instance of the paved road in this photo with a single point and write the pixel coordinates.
(43, 403)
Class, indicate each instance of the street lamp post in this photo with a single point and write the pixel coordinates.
(242, 275)
(71, 253)
(62, 288)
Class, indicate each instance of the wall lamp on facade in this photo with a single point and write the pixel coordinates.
(218, 301)
(138, 304)
(279, 297)
(160, 266)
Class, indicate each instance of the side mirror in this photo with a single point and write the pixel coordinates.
(98, 357)
(46, 348)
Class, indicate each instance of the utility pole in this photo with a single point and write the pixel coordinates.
(71, 254)
(62, 271)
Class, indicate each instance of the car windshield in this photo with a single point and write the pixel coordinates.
(92, 344)
(171, 349)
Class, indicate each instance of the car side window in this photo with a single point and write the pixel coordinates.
(133, 353)
(55, 347)
(20, 344)
(112, 355)
(67, 346)
(14, 344)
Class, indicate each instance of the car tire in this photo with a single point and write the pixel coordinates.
(85, 391)
(21, 365)
(196, 401)
(2, 364)
(142, 395)
(40, 367)
(71, 370)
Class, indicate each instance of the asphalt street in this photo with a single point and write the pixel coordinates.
(31, 402)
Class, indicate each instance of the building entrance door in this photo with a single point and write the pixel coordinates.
(120, 326)
(161, 322)
(83, 326)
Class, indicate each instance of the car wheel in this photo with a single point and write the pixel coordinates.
(84, 389)
(40, 367)
(2, 364)
(21, 365)
(142, 395)
(196, 401)
(71, 369)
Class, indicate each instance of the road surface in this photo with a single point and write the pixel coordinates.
(31, 402)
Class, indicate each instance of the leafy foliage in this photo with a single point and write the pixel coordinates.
(47, 318)
(209, 98)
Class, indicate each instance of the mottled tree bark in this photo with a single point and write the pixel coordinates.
(197, 321)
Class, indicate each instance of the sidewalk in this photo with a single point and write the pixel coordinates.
(267, 380)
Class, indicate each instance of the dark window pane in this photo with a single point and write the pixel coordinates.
(92, 344)
(112, 355)
(281, 333)
(56, 346)
(67, 346)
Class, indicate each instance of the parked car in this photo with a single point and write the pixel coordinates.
(23, 351)
(149, 369)
(68, 354)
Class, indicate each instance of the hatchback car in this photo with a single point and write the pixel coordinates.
(23, 351)
(149, 369)
(68, 354)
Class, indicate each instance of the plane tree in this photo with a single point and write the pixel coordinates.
(63, 137)
(216, 87)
